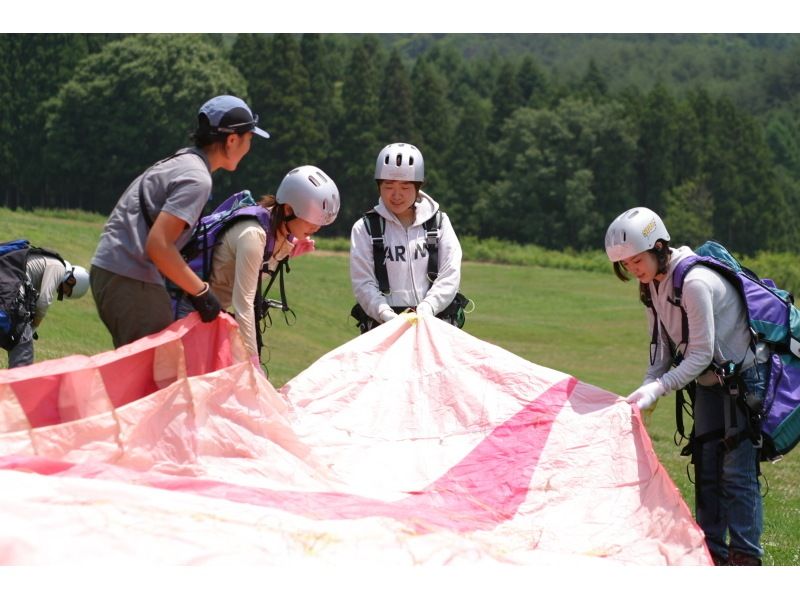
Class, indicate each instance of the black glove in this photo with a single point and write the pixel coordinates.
(206, 304)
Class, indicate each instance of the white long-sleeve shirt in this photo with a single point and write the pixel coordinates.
(718, 327)
(406, 262)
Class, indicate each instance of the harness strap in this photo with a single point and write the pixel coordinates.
(681, 405)
(375, 227)
(375, 223)
(142, 204)
(262, 304)
(644, 297)
(431, 226)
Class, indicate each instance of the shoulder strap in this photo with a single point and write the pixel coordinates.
(142, 204)
(262, 304)
(206, 239)
(644, 297)
(432, 226)
(48, 253)
(375, 227)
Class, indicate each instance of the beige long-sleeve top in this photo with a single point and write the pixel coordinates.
(234, 274)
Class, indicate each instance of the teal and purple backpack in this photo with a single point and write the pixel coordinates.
(775, 326)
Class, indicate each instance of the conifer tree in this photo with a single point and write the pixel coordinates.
(593, 84)
(532, 83)
(433, 119)
(467, 166)
(657, 147)
(396, 103)
(296, 134)
(358, 135)
(252, 56)
(320, 94)
(749, 210)
(506, 98)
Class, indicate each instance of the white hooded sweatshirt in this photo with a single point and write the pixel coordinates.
(406, 262)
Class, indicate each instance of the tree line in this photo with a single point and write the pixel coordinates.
(512, 150)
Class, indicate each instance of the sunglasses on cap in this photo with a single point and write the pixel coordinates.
(241, 127)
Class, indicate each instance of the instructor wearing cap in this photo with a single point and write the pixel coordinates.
(153, 219)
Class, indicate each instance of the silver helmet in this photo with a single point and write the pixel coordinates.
(632, 232)
(400, 162)
(312, 194)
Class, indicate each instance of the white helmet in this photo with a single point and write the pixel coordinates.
(400, 162)
(311, 193)
(77, 278)
(632, 232)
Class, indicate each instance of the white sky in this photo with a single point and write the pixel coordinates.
(401, 16)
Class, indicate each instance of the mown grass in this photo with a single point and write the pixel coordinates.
(578, 321)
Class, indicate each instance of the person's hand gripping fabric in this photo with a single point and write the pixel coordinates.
(387, 315)
(206, 304)
(424, 309)
(646, 395)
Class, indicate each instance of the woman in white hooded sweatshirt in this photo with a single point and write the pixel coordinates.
(727, 492)
(404, 208)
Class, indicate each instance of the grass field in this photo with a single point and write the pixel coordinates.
(584, 323)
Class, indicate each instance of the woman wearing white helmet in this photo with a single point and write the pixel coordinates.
(260, 236)
(727, 497)
(403, 211)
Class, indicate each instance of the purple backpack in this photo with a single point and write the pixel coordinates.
(199, 251)
(775, 322)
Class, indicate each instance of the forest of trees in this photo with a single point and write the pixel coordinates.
(521, 142)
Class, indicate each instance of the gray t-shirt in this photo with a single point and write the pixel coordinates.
(180, 186)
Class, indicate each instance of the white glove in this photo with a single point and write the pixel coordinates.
(387, 314)
(647, 395)
(424, 309)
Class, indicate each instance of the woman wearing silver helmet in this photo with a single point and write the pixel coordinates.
(404, 211)
(307, 199)
(727, 494)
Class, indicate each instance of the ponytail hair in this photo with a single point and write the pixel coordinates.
(277, 213)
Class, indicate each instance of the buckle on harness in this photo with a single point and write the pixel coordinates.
(725, 372)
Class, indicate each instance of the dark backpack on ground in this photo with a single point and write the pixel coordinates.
(17, 294)
(375, 224)
(775, 325)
